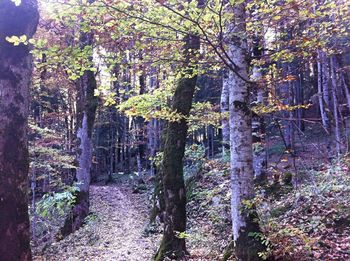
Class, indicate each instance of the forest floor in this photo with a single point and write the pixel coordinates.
(118, 227)
(114, 230)
(307, 222)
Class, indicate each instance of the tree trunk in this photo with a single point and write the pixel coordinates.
(15, 77)
(324, 116)
(242, 174)
(325, 82)
(86, 110)
(344, 78)
(158, 208)
(299, 97)
(172, 245)
(126, 144)
(258, 123)
(140, 125)
(224, 107)
(112, 134)
(335, 106)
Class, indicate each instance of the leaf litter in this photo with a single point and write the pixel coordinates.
(114, 230)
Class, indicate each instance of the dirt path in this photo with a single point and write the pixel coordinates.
(114, 232)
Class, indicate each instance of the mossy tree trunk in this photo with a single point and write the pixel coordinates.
(172, 245)
(86, 110)
(244, 220)
(15, 77)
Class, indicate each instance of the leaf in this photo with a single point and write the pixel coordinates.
(15, 40)
(17, 2)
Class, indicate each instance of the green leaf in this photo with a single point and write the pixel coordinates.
(15, 40)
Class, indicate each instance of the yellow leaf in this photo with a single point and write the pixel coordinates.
(17, 2)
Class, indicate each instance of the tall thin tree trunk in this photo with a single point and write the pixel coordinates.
(335, 105)
(224, 107)
(242, 173)
(112, 114)
(212, 140)
(152, 134)
(325, 82)
(140, 126)
(344, 75)
(258, 128)
(15, 77)
(299, 97)
(290, 125)
(126, 144)
(346, 90)
(172, 244)
(324, 116)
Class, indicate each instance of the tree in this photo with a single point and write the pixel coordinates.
(18, 23)
(86, 109)
(243, 216)
(173, 244)
(224, 107)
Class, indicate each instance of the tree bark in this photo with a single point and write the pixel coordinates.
(15, 77)
(172, 245)
(242, 173)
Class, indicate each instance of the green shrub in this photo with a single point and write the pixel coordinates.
(57, 203)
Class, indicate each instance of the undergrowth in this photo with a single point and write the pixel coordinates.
(312, 221)
(307, 222)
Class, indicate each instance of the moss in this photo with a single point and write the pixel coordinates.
(287, 178)
(170, 249)
(228, 252)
